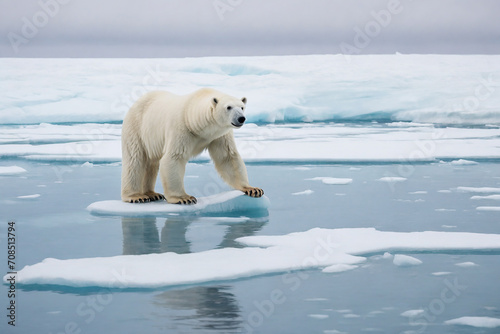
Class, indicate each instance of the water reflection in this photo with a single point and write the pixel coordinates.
(212, 308)
(141, 235)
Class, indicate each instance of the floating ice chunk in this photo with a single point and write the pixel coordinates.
(331, 180)
(479, 189)
(441, 273)
(302, 168)
(482, 322)
(421, 192)
(337, 268)
(387, 255)
(488, 208)
(333, 331)
(412, 313)
(316, 299)
(351, 315)
(401, 260)
(489, 197)
(262, 255)
(318, 316)
(29, 196)
(466, 264)
(392, 179)
(445, 210)
(449, 226)
(231, 201)
(88, 164)
(11, 170)
(305, 192)
(461, 162)
(444, 191)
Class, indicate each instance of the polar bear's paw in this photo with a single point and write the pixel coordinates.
(155, 196)
(182, 199)
(253, 192)
(141, 198)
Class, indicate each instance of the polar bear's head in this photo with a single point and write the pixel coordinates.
(229, 111)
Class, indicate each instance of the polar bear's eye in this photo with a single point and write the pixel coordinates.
(229, 107)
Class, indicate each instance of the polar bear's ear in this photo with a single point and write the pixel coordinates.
(244, 100)
(215, 101)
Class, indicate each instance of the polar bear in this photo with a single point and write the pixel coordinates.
(163, 131)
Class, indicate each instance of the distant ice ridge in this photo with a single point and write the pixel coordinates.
(336, 250)
(419, 88)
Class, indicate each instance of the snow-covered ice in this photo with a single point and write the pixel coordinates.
(11, 170)
(481, 322)
(419, 88)
(318, 142)
(316, 248)
(227, 202)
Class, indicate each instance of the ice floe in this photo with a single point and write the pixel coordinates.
(11, 170)
(316, 248)
(481, 322)
(227, 202)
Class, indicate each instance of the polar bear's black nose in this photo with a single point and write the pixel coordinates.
(241, 119)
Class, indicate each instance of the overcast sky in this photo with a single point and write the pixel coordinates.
(182, 28)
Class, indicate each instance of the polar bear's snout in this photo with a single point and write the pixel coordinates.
(238, 119)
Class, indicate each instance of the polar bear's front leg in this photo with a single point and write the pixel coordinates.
(230, 166)
(172, 171)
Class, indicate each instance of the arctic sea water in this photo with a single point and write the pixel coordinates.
(368, 152)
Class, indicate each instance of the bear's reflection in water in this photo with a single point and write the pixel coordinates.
(204, 308)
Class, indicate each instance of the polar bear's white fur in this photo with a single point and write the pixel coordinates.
(162, 131)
